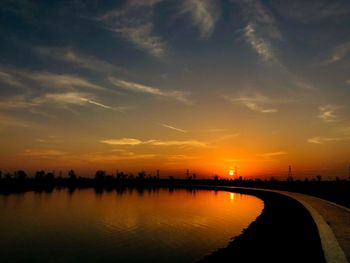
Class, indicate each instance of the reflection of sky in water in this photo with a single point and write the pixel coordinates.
(131, 226)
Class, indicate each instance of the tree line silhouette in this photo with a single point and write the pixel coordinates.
(337, 190)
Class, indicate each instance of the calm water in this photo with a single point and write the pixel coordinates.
(130, 226)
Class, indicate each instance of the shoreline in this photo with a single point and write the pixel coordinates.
(283, 232)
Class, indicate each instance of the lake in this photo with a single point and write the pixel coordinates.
(128, 225)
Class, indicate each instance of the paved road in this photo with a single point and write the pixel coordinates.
(333, 223)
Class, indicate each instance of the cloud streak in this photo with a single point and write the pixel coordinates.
(321, 140)
(261, 30)
(9, 79)
(133, 142)
(61, 80)
(46, 153)
(259, 44)
(135, 23)
(136, 87)
(313, 10)
(339, 53)
(272, 154)
(257, 102)
(116, 155)
(204, 15)
(71, 56)
(62, 99)
(173, 128)
(327, 113)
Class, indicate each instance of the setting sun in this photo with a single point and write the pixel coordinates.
(231, 173)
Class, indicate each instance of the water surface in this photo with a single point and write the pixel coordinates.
(158, 225)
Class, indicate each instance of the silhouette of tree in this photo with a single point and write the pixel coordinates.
(319, 178)
(121, 176)
(1, 175)
(8, 176)
(216, 178)
(21, 175)
(39, 175)
(100, 175)
(141, 175)
(72, 175)
(50, 176)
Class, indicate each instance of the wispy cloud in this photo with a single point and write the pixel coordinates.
(9, 79)
(304, 85)
(17, 102)
(44, 153)
(74, 57)
(135, 23)
(15, 122)
(259, 44)
(123, 141)
(132, 142)
(204, 15)
(272, 154)
(177, 143)
(173, 128)
(256, 102)
(97, 103)
(225, 138)
(59, 98)
(115, 155)
(141, 36)
(321, 140)
(182, 157)
(54, 80)
(136, 87)
(46, 79)
(328, 113)
(75, 98)
(261, 29)
(313, 10)
(339, 53)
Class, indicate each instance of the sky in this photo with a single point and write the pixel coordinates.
(174, 85)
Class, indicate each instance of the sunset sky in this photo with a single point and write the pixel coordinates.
(176, 84)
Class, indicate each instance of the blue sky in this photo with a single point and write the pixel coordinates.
(175, 84)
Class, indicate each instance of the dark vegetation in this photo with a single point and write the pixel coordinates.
(337, 190)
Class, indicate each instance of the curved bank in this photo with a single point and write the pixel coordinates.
(330, 223)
